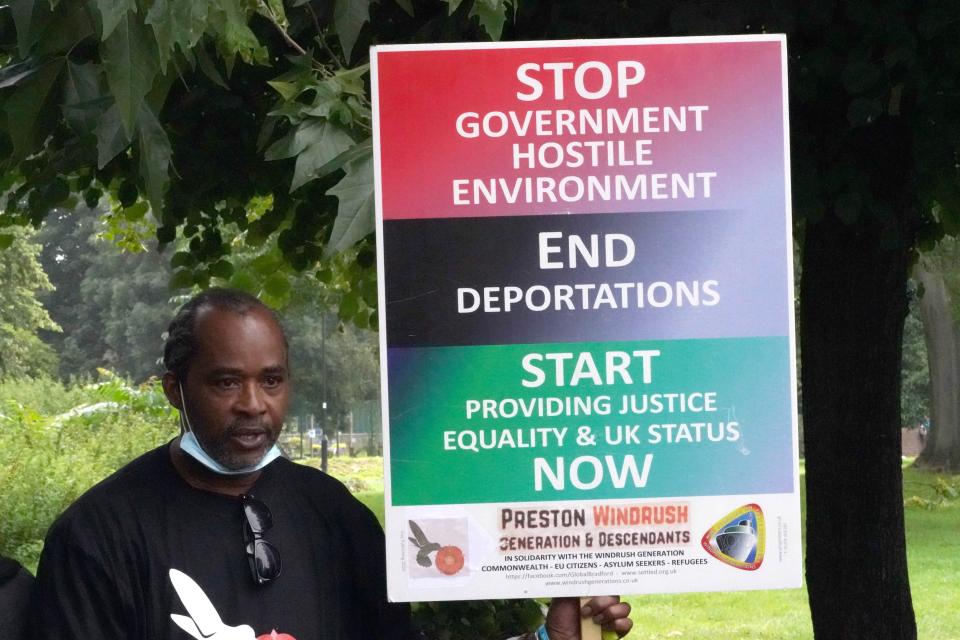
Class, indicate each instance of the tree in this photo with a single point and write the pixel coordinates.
(915, 388)
(320, 349)
(250, 105)
(874, 177)
(113, 305)
(942, 336)
(199, 132)
(65, 257)
(22, 353)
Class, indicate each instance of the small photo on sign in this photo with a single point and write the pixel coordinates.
(438, 547)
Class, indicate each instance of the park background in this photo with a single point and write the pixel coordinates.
(153, 148)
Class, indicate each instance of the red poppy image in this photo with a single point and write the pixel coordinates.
(449, 560)
(273, 635)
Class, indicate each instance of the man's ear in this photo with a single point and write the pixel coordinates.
(171, 389)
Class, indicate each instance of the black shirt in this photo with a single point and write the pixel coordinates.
(15, 586)
(105, 571)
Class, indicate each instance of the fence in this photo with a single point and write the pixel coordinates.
(303, 435)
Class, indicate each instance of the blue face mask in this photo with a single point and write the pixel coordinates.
(191, 446)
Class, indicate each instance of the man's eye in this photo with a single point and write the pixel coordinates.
(272, 381)
(226, 383)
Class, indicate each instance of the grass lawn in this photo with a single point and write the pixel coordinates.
(361, 474)
(933, 550)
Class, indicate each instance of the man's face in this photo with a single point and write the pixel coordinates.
(237, 387)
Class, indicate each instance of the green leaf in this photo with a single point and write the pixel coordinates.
(209, 68)
(136, 211)
(72, 24)
(131, 64)
(950, 220)
(13, 74)
(84, 117)
(328, 142)
(82, 103)
(229, 60)
(243, 281)
(155, 154)
(947, 194)
(176, 23)
(29, 17)
(182, 259)
(91, 197)
(266, 264)
(310, 132)
(222, 269)
(356, 151)
(201, 279)
(24, 108)
(6, 240)
(195, 14)
(166, 234)
(297, 79)
(407, 6)
(266, 132)
(326, 100)
(82, 83)
(292, 112)
(289, 145)
(453, 6)
(355, 218)
(181, 279)
(348, 18)
(274, 10)
(127, 193)
(112, 13)
(369, 294)
(237, 38)
(492, 14)
(349, 306)
(112, 139)
(351, 80)
(161, 18)
(289, 90)
(277, 285)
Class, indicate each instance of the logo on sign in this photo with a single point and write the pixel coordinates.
(738, 539)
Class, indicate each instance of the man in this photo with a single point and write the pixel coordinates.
(16, 583)
(214, 536)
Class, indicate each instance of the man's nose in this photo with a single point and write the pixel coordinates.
(251, 399)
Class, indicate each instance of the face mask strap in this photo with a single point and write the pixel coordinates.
(184, 418)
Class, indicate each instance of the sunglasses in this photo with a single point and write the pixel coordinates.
(263, 557)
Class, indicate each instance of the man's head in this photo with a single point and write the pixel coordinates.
(227, 372)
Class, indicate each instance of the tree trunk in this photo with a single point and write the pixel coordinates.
(852, 306)
(942, 450)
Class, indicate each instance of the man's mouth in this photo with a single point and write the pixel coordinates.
(250, 437)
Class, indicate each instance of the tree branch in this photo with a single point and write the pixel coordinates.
(268, 12)
(321, 39)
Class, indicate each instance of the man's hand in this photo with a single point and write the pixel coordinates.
(563, 617)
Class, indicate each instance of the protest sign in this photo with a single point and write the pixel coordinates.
(586, 312)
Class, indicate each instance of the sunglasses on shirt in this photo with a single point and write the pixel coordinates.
(263, 557)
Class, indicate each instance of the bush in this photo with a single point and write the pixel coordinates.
(477, 619)
(43, 395)
(48, 459)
